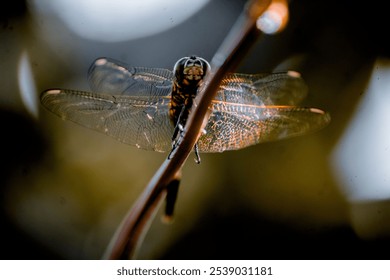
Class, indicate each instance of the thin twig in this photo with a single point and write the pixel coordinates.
(134, 225)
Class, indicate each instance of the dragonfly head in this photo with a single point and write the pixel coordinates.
(191, 70)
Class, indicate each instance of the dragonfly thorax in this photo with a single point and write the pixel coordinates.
(189, 73)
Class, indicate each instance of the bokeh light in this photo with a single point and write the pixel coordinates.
(114, 21)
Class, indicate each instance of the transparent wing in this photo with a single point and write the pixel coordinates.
(139, 121)
(263, 89)
(250, 109)
(131, 104)
(109, 76)
(233, 126)
(128, 103)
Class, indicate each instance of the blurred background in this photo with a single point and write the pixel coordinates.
(65, 189)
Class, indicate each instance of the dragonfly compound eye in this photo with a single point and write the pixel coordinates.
(191, 68)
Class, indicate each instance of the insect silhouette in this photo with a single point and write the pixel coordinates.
(148, 107)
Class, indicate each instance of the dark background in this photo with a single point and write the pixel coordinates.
(272, 201)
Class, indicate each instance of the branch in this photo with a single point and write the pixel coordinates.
(133, 228)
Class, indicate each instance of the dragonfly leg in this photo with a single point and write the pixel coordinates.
(174, 136)
(196, 149)
(197, 156)
(178, 127)
(177, 139)
(177, 133)
(171, 152)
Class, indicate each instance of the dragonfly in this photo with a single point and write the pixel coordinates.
(148, 107)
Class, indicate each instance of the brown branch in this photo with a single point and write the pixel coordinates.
(240, 38)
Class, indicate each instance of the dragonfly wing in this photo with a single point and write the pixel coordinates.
(109, 76)
(286, 88)
(236, 126)
(141, 121)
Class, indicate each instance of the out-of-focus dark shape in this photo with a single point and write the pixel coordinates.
(12, 9)
(23, 147)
